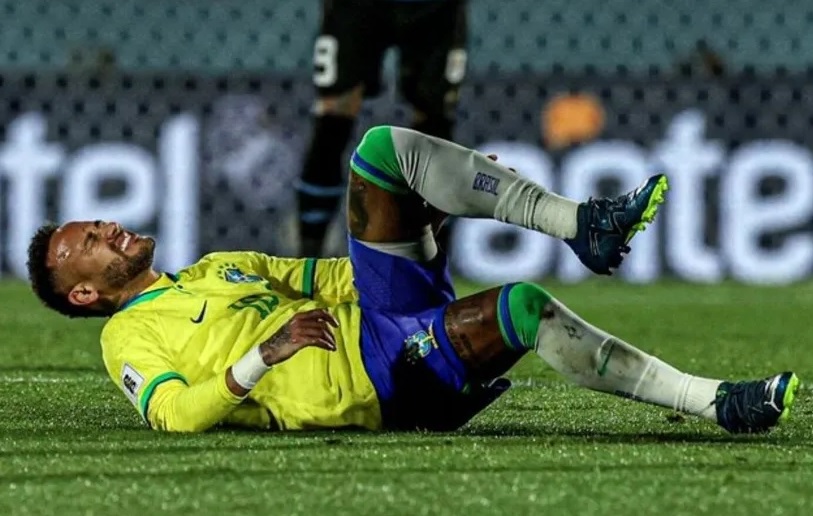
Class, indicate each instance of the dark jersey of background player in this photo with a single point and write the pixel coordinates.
(430, 36)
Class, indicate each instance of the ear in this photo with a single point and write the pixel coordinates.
(83, 294)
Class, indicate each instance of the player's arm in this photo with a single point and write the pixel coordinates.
(135, 358)
(197, 408)
(168, 403)
(333, 281)
(312, 328)
(174, 406)
(329, 280)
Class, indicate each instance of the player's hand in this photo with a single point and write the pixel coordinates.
(305, 329)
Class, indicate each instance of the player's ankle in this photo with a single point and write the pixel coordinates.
(699, 395)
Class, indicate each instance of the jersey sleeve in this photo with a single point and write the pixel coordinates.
(134, 360)
(329, 280)
(333, 281)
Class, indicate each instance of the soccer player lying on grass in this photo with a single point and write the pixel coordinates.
(378, 340)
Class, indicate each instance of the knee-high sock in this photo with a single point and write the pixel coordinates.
(320, 188)
(460, 181)
(592, 358)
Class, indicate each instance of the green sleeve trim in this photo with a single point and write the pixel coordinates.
(150, 389)
(308, 277)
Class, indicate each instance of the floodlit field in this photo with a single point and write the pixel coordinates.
(70, 443)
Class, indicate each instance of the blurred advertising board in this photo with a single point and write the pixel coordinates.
(207, 163)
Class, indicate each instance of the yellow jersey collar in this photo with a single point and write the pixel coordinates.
(161, 285)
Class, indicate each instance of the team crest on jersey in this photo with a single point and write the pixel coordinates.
(419, 345)
(232, 273)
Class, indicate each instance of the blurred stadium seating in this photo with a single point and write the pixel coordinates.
(221, 36)
(720, 97)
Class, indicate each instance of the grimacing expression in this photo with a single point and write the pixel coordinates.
(95, 259)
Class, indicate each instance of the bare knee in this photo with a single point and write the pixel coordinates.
(473, 327)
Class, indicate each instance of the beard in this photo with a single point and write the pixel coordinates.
(124, 269)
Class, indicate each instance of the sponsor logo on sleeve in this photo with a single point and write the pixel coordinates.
(485, 183)
(131, 382)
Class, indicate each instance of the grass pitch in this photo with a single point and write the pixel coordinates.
(70, 443)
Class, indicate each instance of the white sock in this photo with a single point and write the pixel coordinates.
(541, 210)
(466, 183)
(698, 396)
(597, 360)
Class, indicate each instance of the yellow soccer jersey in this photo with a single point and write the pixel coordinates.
(168, 348)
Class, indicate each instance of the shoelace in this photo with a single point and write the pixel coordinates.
(738, 407)
(606, 206)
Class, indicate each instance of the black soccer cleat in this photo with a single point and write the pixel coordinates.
(756, 406)
(606, 226)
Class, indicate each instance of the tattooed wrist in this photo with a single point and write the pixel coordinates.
(269, 349)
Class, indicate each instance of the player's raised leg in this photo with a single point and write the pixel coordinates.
(398, 221)
(492, 329)
(463, 182)
(397, 265)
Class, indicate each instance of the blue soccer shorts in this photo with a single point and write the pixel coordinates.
(420, 381)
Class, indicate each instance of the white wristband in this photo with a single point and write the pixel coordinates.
(248, 370)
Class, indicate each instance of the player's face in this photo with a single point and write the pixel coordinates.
(96, 259)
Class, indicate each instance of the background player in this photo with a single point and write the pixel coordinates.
(430, 36)
(192, 350)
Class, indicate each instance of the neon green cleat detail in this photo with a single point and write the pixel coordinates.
(656, 198)
(756, 406)
(606, 226)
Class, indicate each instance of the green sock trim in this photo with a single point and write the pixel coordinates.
(378, 181)
(526, 303)
(509, 335)
(378, 149)
(376, 160)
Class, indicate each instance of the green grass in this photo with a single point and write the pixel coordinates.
(71, 444)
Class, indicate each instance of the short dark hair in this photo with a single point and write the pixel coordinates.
(43, 278)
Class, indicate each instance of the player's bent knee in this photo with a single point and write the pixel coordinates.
(520, 310)
(376, 160)
(376, 135)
